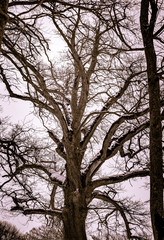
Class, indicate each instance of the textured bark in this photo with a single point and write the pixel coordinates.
(156, 178)
(3, 17)
(74, 216)
(74, 224)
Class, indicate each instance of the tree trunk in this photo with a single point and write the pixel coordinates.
(74, 216)
(3, 17)
(156, 162)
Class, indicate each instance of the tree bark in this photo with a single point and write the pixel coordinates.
(156, 162)
(3, 17)
(74, 215)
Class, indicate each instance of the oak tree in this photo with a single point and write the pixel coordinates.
(94, 106)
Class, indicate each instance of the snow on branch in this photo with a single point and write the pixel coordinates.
(120, 178)
(55, 176)
(51, 212)
(60, 145)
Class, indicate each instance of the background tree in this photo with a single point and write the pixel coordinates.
(3, 17)
(9, 232)
(46, 232)
(151, 32)
(94, 106)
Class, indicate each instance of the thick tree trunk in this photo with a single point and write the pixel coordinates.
(3, 17)
(156, 175)
(74, 216)
(75, 210)
(156, 162)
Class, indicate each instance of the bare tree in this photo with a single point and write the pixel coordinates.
(9, 232)
(94, 105)
(45, 232)
(148, 21)
(3, 17)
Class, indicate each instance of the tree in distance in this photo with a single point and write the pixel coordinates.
(9, 232)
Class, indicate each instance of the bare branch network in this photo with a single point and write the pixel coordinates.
(93, 101)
